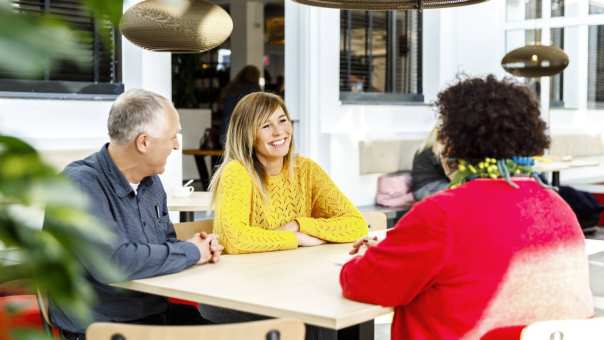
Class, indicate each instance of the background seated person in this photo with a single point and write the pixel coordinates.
(499, 249)
(266, 197)
(427, 173)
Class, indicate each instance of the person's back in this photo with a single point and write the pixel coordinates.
(427, 174)
(467, 264)
(512, 259)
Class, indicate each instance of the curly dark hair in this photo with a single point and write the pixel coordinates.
(486, 117)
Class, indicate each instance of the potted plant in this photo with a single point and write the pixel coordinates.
(51, 260)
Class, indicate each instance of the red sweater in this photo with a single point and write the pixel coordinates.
(482, 256)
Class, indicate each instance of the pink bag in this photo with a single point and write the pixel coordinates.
(394, 190)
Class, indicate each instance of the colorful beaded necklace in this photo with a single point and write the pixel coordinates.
(495, 168)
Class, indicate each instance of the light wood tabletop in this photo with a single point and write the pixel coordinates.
(301, 284)
(196, 201)
(554, 163)
(202, 152)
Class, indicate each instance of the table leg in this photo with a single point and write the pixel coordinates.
(364, 331)
(556, 178)
(187, 216)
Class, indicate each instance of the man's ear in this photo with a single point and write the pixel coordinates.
(141, 142)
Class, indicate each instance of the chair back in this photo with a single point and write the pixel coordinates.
(585, 329)
(274, 329)
(375, 220)
(43, 306)
(186, 230)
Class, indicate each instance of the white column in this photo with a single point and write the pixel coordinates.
(312, 75)
(247, 39)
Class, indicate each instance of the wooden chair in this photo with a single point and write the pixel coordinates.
(586, 329)
(186, 230)
(275, 329)
(43, 306)
(375, 220)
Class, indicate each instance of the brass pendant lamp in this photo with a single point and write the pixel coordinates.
(176, 25)
(535, 61)
(383, 5)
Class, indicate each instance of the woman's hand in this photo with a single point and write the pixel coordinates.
(307, 240)
(360, 246)
(291, 226)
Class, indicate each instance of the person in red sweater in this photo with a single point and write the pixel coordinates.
(498, 249)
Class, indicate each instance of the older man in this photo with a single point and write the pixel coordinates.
(127, 195)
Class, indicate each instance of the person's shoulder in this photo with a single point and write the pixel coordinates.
(305, 163)
(83, 170)
(234, 168)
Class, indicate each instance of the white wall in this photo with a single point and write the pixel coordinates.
(330, 130)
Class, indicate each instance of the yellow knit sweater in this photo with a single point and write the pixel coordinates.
(246, 224)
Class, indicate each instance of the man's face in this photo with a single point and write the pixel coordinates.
(163, 141)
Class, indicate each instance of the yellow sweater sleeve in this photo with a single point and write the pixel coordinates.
(334, 217)
(232, 217)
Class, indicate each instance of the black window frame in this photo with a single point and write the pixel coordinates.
(389, 96)
(102, 58)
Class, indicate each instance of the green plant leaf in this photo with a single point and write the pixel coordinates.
(29, 334)
(110, 9)
(71, 240)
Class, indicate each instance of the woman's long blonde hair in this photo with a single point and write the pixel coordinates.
(249, 115)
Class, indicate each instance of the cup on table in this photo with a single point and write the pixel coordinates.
(182, 191)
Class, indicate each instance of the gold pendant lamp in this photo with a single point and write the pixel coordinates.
(383, 5)
(535, 61)
(179, 26)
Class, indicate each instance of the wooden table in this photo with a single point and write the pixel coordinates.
(200, 155)
(301, 284)
(202, 152)
(197, 201)
(555, 166)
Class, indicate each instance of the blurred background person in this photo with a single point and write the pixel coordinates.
(245, 82)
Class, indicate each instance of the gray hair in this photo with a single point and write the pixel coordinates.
(134, 112)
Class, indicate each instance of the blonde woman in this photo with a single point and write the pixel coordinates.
(267, 198)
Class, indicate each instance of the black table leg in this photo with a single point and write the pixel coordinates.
(556, 178)
(364, 331)
(187, 216)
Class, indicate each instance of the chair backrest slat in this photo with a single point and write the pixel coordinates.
(584, 329)
(376, 220)
(281, 329)
(186, 230)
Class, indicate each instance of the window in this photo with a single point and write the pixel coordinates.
(568, 8)
(100, 76)
(380, 56)
(575, 26)
(519, 38)
(523, 9)
(595, 82)
(596, 6)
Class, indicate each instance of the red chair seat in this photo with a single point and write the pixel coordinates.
(183, 302)
(18, 311)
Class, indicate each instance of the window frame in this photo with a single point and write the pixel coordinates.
(388, 96)
(72, 90)
(581, 20)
